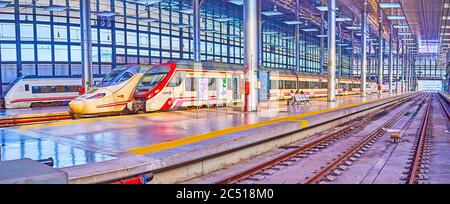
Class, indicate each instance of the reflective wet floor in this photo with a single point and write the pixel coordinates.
(85, 141)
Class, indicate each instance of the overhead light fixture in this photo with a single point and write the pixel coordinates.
(183, 26)
(390, 5)
(106, 13)
(354, 27)
(396, 17)
(149, 20)
(187, 11)
(287, 37)
(293, 22)
(408, 39)
(224, 19)
(237, 2)
(210, 31)
(342, 19)
(4, 4)
(348, 48)
(445, 33)
(233, 36)
(322, 8)
(269, 32)
(322, 36)
(400, 26)
(148, 2)
(405, 33)
(310, 29)
(274, 12)
(56, 8)
(342, 44)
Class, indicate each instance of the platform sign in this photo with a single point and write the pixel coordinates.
(264, 90)
(105, 21)
(202, 91)
(221, 88)
(430, 85)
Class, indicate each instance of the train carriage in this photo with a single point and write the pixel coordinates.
(177, 84)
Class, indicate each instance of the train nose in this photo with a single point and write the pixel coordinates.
(76, 106)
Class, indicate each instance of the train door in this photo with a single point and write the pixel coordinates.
(236, 87)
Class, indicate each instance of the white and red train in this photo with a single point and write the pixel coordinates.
(39, 91)
(175, 84)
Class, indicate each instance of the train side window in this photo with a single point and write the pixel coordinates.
(176, 80)
(211, 84)
(27, 87)
(188, 84)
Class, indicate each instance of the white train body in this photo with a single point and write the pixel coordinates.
(175, 85)
(112, 94)
(36, 91)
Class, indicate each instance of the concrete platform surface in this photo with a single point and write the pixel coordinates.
(7, 114)
(154, 135)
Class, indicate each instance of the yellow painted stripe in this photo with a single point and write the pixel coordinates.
(217, 133)
(303, 123)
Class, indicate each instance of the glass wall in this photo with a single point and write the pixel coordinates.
(44, 38)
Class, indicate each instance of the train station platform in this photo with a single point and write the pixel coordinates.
(101, 149)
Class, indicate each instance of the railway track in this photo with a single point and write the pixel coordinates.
(422, 148)
(322, 143)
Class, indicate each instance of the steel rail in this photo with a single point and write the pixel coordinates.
(332, 165)
(420, 145)
(286, 156)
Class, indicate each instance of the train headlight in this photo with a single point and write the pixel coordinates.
(97, 96)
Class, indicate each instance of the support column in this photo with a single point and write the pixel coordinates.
(340, 51)
(364, 50)
(251, 36)
(297, 37)
(352, 57)
(196, 16)
(322, 44)
(403, 68)
(380, 54)
(331, 51)
(391, 63)
(86, 44)
(397, 75)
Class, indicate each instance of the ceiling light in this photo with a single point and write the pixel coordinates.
(187, 11)
(148, 2)
(405, 33)
(233, 36)
(401, 26)
(274, 12)
(183, 26)
(390, 5)
(322, 36)
(269, 32)
(293, 22)
(56, 8)
(106, 13)
(396, 17)
(224, 19)
(210, 31)
(287, 37)
(310, 29)
(237, 2)
(354, 27)
(341, 19)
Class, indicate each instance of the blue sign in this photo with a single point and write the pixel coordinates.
(105, 22)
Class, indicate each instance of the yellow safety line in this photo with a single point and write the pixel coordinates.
(217, 133)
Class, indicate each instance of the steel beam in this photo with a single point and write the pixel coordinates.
(196, 16)
(331, 50)
(364, 50)
(251, 36)
(380, 54)
(391, 63)
(86, 44)
(297, 37)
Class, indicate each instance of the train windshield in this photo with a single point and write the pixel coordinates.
(152, 78)
(11, 85)
(118, 75)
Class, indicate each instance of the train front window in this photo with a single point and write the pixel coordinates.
(12, 84)
(152, 78)
(150, 81)
(119, 75)
(109, 78)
